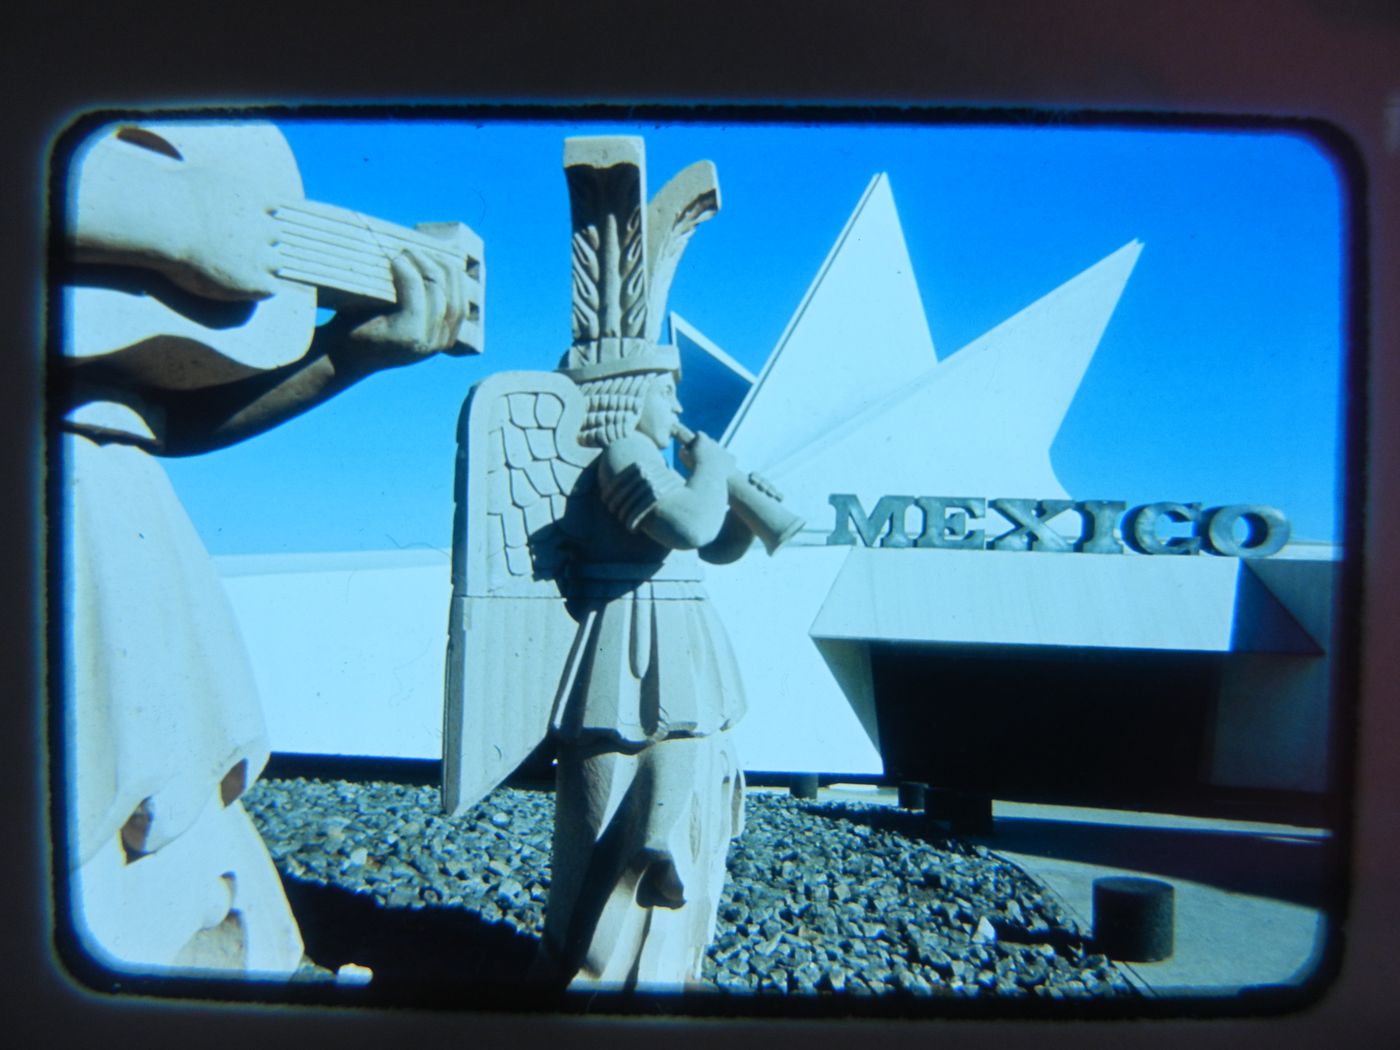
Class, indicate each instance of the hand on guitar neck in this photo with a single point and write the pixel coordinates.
(432, 304)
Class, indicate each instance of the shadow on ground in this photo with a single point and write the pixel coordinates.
(910, 824)
(432, 945)
(1292, 868)
(1282, 867)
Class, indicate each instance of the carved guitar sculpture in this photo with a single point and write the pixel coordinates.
(325, 256)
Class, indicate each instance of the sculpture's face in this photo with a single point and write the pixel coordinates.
(660, 410)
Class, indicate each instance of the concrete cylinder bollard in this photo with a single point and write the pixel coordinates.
(912, 795)
(1134, 918)
(804, 785)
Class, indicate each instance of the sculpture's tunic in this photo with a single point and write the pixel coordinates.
(164, 725)
(164, 702)
(651, 659)
(650, 790)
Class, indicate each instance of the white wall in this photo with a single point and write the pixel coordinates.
(347, 649)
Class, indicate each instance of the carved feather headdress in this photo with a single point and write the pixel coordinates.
(625, 254)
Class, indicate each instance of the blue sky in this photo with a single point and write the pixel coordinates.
(1219, 378)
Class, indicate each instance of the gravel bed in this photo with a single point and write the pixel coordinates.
(822, 897)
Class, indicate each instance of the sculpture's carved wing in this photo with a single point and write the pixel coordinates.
(518, 459)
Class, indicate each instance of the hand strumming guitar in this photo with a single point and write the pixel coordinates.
(431, 304)
(207, 230)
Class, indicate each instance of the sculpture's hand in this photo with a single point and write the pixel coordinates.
(226, 245)
(208, 232)
(706, 454)
(432, 298)
(345, 350)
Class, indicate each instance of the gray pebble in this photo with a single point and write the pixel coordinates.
(822, 898)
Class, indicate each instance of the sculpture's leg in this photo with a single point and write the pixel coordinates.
(640, 844)
(705, 769)
(590, 783)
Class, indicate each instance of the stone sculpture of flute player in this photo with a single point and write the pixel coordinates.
(649, 787)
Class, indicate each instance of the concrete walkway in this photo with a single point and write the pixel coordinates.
(1249, 896)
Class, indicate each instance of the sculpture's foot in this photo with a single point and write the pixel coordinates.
(209, 900)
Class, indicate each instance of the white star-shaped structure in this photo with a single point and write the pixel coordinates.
(854, 399)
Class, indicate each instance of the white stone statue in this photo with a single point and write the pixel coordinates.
(189, 303)
(578, 606)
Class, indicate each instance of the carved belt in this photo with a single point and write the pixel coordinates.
(678, 577)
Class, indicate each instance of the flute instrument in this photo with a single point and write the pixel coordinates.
(763, 513)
